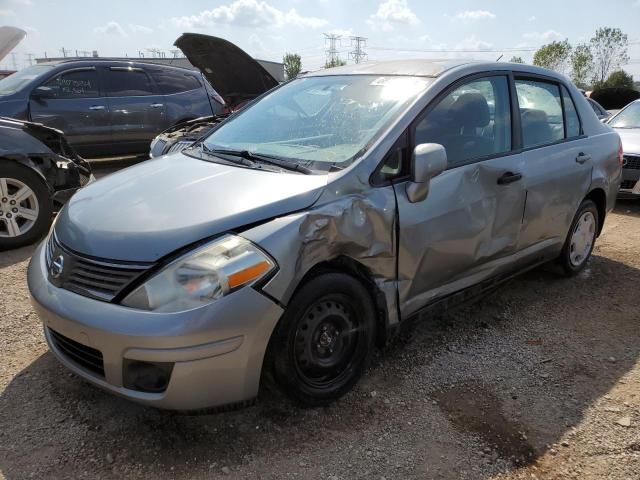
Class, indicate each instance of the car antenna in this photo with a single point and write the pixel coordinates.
(498, 59)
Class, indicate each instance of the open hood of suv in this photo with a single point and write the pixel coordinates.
(9, 38)
(229, 69)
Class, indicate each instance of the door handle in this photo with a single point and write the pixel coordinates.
(509, 177)
(97, 107)
(583, 157)
(157, 105)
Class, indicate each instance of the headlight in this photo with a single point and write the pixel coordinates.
(202, 276)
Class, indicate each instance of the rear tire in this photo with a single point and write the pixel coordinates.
(324, 341)
(25, 204)
(580, 239)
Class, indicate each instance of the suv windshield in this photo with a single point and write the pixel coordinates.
(627, 118)
(15, 82)
(319, 121)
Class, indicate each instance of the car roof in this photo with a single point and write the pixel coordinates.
(427, 68)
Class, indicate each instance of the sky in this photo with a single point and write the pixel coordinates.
(266, 29)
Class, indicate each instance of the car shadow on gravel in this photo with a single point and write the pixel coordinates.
(510, 375)
(11, 257)
(628, 207)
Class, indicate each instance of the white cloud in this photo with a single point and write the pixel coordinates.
(475, 15)
(392, 13)
(139, 28)
(343, 32)
(247, 13)
(532, 18)
(111, 28)
(636, 3)
(547, 36)
(7, 13)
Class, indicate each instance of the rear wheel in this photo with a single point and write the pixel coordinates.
(25, 206)
(324, 341)
(580, 239)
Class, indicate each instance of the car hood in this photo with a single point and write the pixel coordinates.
(630, 139)
(229, 69)
(9, 38)
(147, 211)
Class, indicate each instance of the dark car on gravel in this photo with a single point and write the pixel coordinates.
(39, 171)
(107, 106)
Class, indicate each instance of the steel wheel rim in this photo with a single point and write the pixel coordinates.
(582, 239)
(326, 343)
(19, 208)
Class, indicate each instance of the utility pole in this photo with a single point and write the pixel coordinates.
(358, 54)
(29, 57)
(64, 52)
(332, 51)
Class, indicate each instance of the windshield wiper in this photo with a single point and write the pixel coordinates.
(259, 157)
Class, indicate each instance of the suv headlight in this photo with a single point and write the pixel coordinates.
(202, 276)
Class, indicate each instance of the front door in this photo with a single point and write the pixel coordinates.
(137, 110)
(470, 221)
(72, 103)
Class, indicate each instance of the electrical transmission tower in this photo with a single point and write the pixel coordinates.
(332, 51)
(13, 59)
(358, 54)
(64, 52)
(29, 57)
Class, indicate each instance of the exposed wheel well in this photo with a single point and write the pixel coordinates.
(361, 273)
(598, 197)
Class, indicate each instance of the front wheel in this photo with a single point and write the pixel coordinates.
(25, 205)
(324, 341)
(580, 239)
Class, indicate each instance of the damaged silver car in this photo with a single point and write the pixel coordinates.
(39, 171)
(305, 230)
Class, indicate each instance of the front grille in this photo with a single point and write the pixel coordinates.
(631, 162)
(86, 357)
(627, 184)
(99, 279)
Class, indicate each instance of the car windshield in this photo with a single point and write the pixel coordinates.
(627, 118)
(15, 82)
(319, 121)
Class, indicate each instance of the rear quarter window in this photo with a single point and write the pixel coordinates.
(170, 81)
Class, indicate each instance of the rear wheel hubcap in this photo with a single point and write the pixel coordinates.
(582, 239)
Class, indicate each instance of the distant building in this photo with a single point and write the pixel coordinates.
(276, 69)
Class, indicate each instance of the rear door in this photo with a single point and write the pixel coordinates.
(470, 221)
(74, 104)
(557, 163)
(137, 109)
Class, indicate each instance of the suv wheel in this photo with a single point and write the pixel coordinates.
(324, 340)
(25, 206)
(581, 239)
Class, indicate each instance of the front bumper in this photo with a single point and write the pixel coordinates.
(216, 350)
(630, 186)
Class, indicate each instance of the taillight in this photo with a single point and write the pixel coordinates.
(620, 154)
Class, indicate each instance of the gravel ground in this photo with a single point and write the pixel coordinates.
(541, 379)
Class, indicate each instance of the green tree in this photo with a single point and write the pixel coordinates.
(619, 79)
(516, 60)
(581, 65)
(292, 65)
(336, 62)
(609, 47)
(554, 56)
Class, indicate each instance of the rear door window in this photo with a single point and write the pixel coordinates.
(127, 82)
(75, 84)
(170, 81)
(540, 112)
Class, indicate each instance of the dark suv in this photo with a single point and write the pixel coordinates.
(107, 107)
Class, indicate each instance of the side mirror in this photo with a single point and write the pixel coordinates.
(44, 92)
(428, 160)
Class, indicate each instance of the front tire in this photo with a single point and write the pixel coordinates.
(25, 205)
(324, 340)
(580, 239)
